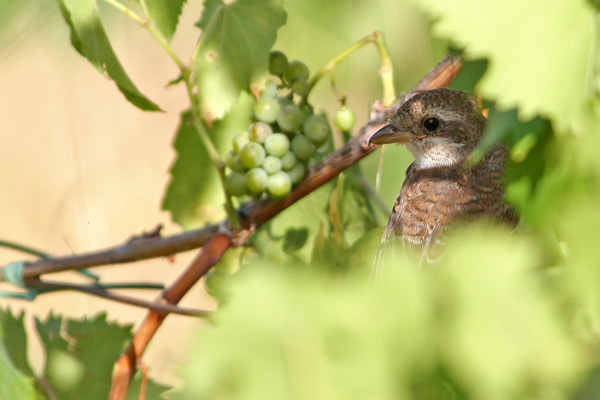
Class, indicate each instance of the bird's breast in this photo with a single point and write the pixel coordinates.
(433, 198)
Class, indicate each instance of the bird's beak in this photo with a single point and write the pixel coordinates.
(389, 134)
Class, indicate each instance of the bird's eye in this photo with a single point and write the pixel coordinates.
(431, 124)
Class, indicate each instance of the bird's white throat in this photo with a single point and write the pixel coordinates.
(436, 152)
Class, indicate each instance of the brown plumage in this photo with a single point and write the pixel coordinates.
(441, 128)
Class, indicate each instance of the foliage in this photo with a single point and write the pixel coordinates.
(478, 326)
(90, 40)
(502, 315)
(189, 203)
(543, 43)
(14, 368)
(79, 355)
(235, 41)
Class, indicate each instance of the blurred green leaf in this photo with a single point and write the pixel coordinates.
(152, 390)
(165, 15)
(330, 252)
(80, 355)
(285, 334)
(15, 372)
(90, 40)
(358, 213)
(294, 239)
(540, 55)
(217, 279)
(477, 326)
(350, 217)
(502, 339)
(591, 387)
(579, 235)
(15, 385)
(210, 7)
(14, 339)
(470, 74)
(233, 50)
(306, 215)
(194, 195)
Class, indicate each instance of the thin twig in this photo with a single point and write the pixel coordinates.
(23, 248)
(105, 294)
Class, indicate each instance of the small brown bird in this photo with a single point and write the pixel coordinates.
(441, 128)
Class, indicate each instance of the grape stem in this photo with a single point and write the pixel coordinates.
(386, 72)
(146, 23)
(186, 75)
(202, 130)
(338, 136)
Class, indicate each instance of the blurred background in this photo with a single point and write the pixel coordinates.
(83, 169)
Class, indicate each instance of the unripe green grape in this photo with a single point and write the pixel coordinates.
(252, 155)
(300, 87)
(267, 110)
(288, 161)
(344, 118)
(316, 128)
(235, 183)
(256, 180)
(279, 185)
(278, 63)
(271, 165)
(302, 147)
(277, 144)
(290, 118)
(297, 173)
(269, 91)
(284, 101)
(295, 70)
(233, 162)
(259, 131)
(240, 140)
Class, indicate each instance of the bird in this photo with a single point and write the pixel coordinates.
(442, 128)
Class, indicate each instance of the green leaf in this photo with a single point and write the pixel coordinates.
(14, 337)
(540, 55)
(210, 7)
(165, 15)
(329, 252)
(469, 76)
(152, 391)
(359, 215)
(291, 333)
(498, 326)
(15, 372)
(272, 240)
(14, 385)
(294, 239)
(90, 40)
(80, 355)
(233, 50)
(475, 326)
(194, 194)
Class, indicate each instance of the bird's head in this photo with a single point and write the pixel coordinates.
(440, 127)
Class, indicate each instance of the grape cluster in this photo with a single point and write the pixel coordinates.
(273, 154)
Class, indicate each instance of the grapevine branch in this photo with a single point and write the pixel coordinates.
(254, 214)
